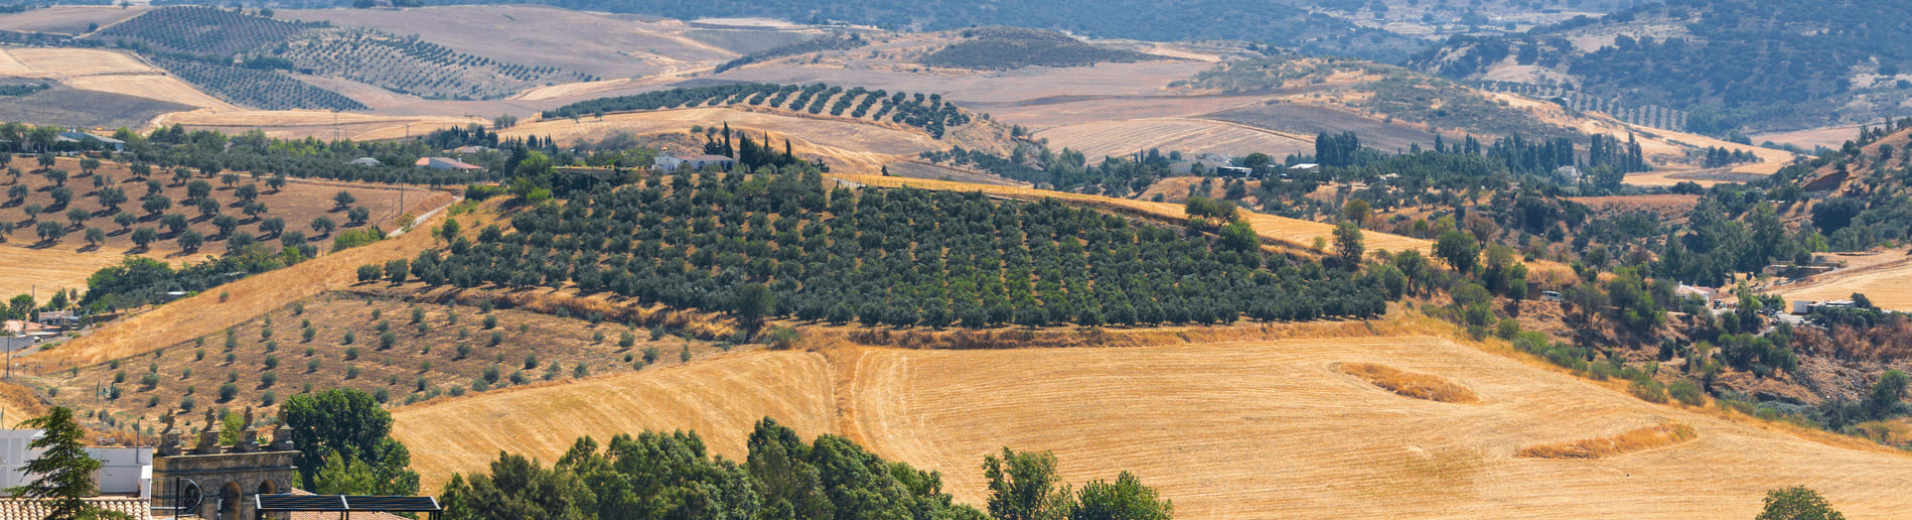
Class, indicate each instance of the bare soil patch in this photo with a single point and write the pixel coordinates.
(66, 19)
(1411, 384)
(1311, 120)
(1189, 136)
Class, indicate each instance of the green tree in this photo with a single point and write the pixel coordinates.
(1125, 499)
(1883, 401)
(1797, 503)
(350, 422)
(1348, 244)
(64, 472)
(1459, 250)
(1024, 486)
(752, 303)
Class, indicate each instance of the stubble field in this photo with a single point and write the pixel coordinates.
(1226, 430)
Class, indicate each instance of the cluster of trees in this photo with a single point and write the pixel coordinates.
(345, 445)
(834, 42)
(750, 155)
(178, 154)
(140, 281)
(1005, 48)
(870, 257)
(659, 475)
(1717, 157)
(202, 30)
(257, 88)
(929, 112)
(410, 65)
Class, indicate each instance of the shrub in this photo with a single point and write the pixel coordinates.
(306, 334)
(650, 355)
(228, 391)
(491, 322)
(268, 379)
(186, 403)
(626, 340)
(351, 353)
(497, 338)
(349, 337)
(1687, 393)
(386, 340)
(351, 372)
(272, 362)
(464, 351)
(268, 398)
(530, 361)
(1648, 390)
(311, 365)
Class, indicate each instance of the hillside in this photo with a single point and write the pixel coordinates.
(1286, 24)
(1731, 66)
(1339, 444)
(1004, 48)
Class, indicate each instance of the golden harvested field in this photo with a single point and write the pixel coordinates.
(720, 399)
(1226, 430)
(66, 19)
(1062, 111)
(104, 71)
(1829, 137)
(1887, 283)
(41, 271)
(1189, 136)
(1295, 233)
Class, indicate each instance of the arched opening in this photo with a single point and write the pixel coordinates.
(229, 496)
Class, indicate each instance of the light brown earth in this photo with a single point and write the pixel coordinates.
(65, 19)
(1252, 429)
(1887, 282)
(1829, 137)
(1189, 136)
(104, 71)
(293, 124)
(719, 399)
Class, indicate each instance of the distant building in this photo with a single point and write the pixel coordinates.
(124, 471)
(1305, 166)
(469, 149)
(446, 163)
(671, 163)
(59, 319)
(1568, 173)
(364, 161)
(86, 139)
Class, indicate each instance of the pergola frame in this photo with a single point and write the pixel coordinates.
(345, 505)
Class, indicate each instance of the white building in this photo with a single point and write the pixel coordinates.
(124, 471)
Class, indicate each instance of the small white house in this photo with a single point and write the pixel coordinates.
(1802, 306)
(367, 162)
(671, 163)
(124, 471)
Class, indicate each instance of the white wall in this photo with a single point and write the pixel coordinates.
(124, 470)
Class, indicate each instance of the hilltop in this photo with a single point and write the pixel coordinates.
(1730, 66)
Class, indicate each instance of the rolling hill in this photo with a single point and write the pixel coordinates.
(1271, 425)
(1733, 66)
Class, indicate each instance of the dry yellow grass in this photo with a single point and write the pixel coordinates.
(721, 400)
(1641, 439)
(1294, 233)
(1190, 136)
(41, 271)
(1250, 429)
(1419, 386)
(150, 86)
(1888, 284)
(104, 71)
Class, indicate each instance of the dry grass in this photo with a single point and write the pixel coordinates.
(66, 19)
(720, 399)
(1642, 439)
(1887, 284)
(1246, 429)
(1189, 136)
(104, 71)
(1416, 385)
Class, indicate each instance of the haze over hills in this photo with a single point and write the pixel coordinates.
(857, 260)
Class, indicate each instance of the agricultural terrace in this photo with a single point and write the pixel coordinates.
(929, 113)
(780, 245)
(200, 30)
(398, 352)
